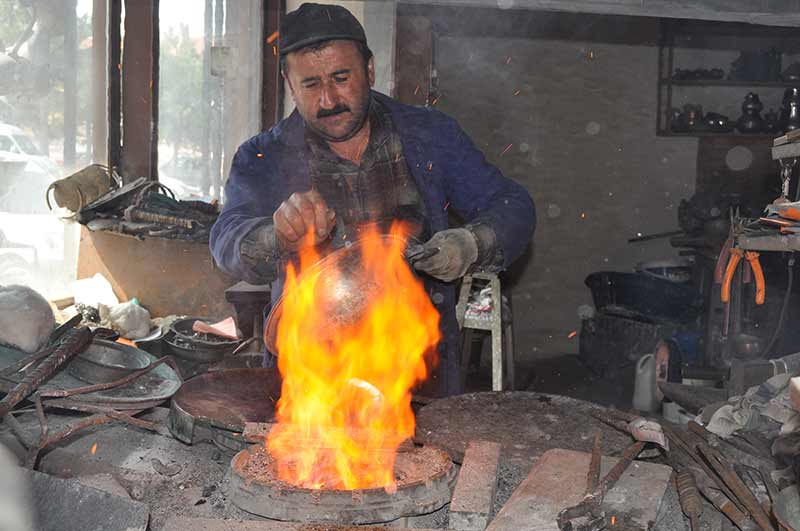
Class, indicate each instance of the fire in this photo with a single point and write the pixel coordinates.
(345, 403)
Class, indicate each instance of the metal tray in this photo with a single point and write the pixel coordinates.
(215, 406)
(148, 391)
(107, 361)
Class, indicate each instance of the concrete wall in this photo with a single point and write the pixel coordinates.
(575, 98)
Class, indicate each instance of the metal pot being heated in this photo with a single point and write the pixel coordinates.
(343, 288)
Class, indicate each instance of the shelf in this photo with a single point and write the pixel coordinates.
(761, 136)
(777, 242)
(728, 83)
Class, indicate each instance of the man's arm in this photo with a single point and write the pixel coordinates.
(498, 211)
(257, 229)
(243, 239)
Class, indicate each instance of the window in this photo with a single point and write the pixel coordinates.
(48, 123)
(209, 90)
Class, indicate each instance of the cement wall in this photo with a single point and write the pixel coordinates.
(575, 98)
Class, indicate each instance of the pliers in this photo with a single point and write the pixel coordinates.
(736, 256)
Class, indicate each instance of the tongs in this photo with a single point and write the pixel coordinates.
(417, 251)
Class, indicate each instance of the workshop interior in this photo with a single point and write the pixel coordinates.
(503, 265)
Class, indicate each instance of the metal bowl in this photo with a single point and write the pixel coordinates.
(194, 347)
(343, 291)
(107, 361)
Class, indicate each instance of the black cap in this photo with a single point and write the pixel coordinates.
(313, 23)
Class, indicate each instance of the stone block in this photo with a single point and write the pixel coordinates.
(471, 505)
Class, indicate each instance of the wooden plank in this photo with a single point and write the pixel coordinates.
(140, 89)
(114, 83)
(780, 13)
(167, 276)
(98, 81)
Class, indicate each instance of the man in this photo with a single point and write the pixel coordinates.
(348, 156)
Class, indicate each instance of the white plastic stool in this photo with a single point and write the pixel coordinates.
(493, 323)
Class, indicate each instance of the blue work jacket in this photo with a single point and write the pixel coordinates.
(450, 173)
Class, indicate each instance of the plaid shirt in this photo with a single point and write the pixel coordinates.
(379, 190)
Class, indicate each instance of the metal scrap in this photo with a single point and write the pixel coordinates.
(590, 506)
(75, 343)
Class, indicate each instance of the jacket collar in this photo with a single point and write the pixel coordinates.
(292, 129)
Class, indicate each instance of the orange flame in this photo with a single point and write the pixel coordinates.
(345, 403)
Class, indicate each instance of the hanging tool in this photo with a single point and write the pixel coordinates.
(736, 256)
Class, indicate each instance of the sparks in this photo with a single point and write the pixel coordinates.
(434, 101)
(613, 520)
(583, 215)
(572, 334)
(446, 206)
(94, 449)
(275, 50)
(508, 60)
(516, 92)
(506, 149)
(416, 90)
(272, 38)
(260, 155)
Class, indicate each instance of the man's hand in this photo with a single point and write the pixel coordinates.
(457, 250)
(303, 214)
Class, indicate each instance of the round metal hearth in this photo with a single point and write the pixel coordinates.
(425, 478)
(525, 424)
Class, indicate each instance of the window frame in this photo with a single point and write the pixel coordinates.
(133, 83)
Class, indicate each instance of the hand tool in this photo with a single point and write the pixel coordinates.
(689, 498)
(590, 506)
(728, 475)
(752, 258)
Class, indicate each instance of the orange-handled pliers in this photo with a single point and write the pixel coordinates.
(758, 274)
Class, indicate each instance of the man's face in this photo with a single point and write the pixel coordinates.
(330, 88)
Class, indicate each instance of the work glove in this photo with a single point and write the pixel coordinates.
(455, 250)
(301, 215)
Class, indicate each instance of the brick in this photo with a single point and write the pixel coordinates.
(473, 497)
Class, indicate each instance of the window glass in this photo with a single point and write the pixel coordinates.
(209, 90)
(47, 131)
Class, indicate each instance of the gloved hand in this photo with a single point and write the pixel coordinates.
(457, 250)
(302, 213)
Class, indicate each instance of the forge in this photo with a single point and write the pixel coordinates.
(424, 481)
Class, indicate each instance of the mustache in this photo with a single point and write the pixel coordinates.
(338, 109)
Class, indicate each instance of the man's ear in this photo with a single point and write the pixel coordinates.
(288, 82)
(371, 71)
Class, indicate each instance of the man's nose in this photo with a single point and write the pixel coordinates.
(328, 97)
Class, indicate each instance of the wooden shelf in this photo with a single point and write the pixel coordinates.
(728, 83)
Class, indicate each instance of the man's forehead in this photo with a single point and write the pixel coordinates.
(331, 55)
